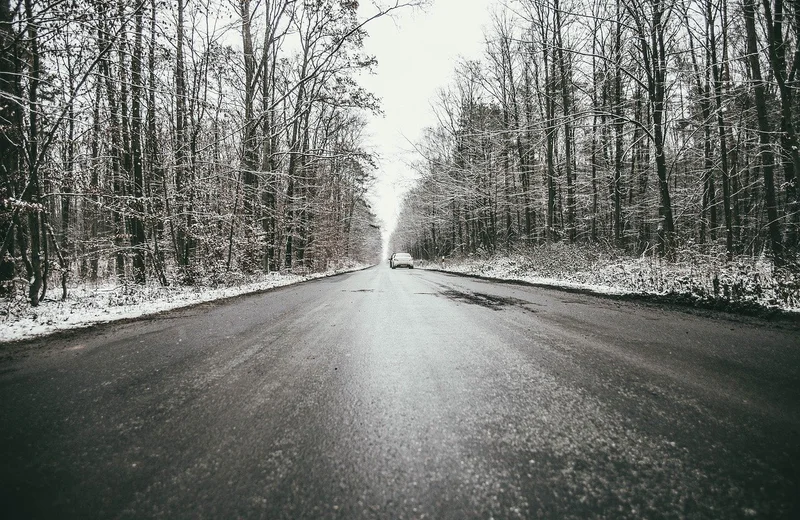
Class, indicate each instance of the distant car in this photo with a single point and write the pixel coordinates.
(401, 260)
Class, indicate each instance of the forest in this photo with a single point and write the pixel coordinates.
(647, 127)
(179, 142)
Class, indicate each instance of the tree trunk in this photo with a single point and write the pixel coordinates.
(618, 128)
(182, 231)
(249, 155)
(764, 130)
(654, 57)
(565, 78)
(790, 147)
(138, 239)
(10, 115)
(721, 129)
(34, 221)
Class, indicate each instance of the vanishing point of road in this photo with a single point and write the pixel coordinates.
(405, 394)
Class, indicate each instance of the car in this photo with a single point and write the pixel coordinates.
(401, 260)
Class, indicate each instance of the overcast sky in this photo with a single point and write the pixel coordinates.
(417, 52)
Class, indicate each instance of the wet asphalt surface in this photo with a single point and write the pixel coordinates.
(405, 394)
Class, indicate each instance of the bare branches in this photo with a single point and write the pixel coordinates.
(626, 114)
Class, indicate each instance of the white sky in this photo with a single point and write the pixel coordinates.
(417, 51)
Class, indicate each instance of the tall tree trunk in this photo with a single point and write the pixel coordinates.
(155, 173)
(565, 78)
(790, 147)
(721, 129)
(123, 188)
(275, 12)
(10, 121)
(34, 221)
(268, 166)
(67, 186)
(138, 239)
(250, 154)
(654, 58)
(525, 155)
(295, 165)
(550, 138)
(764, 130)
(618, 128)
(97, 223)
(708, 211)
(116, 140)
(182, 231)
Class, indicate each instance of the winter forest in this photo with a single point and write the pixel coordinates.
(178, 141)
(649, 126)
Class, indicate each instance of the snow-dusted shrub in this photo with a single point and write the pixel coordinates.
(91, 303)
(689, 274)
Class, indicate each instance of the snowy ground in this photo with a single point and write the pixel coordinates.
(92, 304)
(749, 285)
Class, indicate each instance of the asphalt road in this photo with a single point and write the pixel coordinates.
(405, 394)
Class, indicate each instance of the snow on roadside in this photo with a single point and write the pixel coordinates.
(504, 271)
(90, 305)
(736, 283)
(507, 269)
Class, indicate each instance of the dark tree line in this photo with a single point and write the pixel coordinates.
(177, 141)
(647, 125)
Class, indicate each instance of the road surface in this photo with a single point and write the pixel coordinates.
(405, 394)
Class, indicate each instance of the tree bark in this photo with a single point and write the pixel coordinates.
(10, 130)
(182, 232)
(138, 239)
(776, 47)
(565, 78)
(721, 129)
(34, 221)
(764, 130)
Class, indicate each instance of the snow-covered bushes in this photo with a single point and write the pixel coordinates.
(690, 275)
(87, 304)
